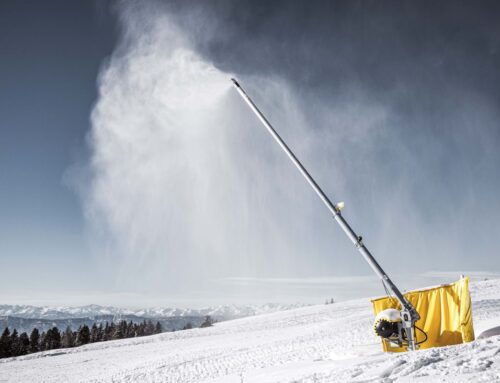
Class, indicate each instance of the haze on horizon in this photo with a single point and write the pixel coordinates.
(133, 174)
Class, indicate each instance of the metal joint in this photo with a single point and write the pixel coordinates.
(359, 242)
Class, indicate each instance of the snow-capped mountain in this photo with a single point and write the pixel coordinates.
(90, 311)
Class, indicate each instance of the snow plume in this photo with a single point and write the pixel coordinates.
(185, 184)
(187, 188)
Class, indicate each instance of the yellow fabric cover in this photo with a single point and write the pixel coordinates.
(445, 314)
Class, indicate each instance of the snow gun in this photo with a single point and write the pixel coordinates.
(397, 326)
(446, 309)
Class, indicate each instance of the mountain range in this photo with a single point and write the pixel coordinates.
(27, 317)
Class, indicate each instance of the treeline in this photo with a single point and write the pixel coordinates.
(14, 344)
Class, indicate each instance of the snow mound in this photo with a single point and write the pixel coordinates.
(324, 343)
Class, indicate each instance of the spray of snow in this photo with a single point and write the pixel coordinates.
(182, 187)
(186, 187)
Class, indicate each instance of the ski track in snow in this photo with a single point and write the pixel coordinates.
(324, 343)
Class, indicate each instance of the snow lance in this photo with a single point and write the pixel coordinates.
(397, 326)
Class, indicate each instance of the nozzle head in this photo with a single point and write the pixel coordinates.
(235, 82)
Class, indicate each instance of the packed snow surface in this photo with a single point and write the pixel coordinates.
(324, 343)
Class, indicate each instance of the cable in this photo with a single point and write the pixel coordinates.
(423, 332)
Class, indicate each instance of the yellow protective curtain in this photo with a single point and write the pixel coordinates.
(445, 314)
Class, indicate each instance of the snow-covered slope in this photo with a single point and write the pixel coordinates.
(89, 311)
(325, 343)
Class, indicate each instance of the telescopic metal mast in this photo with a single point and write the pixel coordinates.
(409, 314)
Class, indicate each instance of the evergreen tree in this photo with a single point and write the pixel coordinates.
(100, 333)
(130, 330)
(5, 344)
(188, 326)
(93, 333)
(111, 330)
(120, 330)
(124, 327)
(105, 333)
(68, 338)
(83, 335)
(56, 339)
(47, 340)
(141, 328)
(42, 344)
(34, 339)
(332, 301)
(150, 328)
(158, 328)
(24, 344)
(117, 334)
(14, 343)
(207, 322)
(136, 330)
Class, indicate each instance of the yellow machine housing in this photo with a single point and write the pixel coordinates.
(445, 315)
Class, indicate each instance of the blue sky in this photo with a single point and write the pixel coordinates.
(51, 53)
(394, 107)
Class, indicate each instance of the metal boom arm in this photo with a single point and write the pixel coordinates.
(409, 313)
